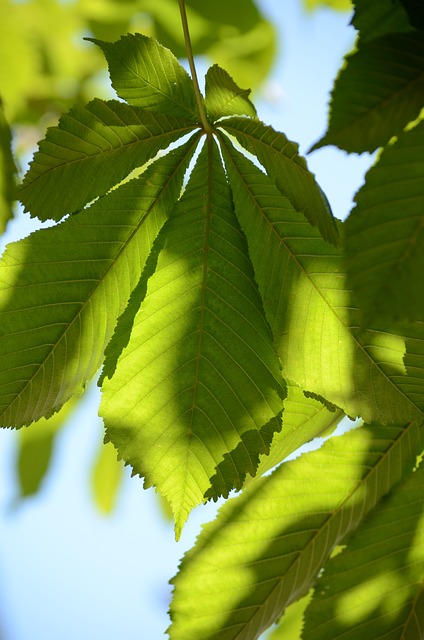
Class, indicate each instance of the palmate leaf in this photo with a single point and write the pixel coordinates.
(376, 583)
(385, 233)
(377, 93)
(199, 371)
(63, 288)
(282, 162)
(91, 150)
(267, 546)
(302, 283)
(146, 74)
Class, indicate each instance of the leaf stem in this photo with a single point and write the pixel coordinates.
(206, 125)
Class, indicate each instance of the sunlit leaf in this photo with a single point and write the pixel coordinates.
(302, 283)
(63, 288)
(267, 546)
(379, 90)
(291, 624)
(199, 370)
(147, 75)
(385, 233)
(282, 162)
(303, 420)
(224, 97)
(93, 148)
(376, 583)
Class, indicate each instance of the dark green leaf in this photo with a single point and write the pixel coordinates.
(415, 11)
(378, 92)
(385, 233)
(147, 75)
(91, 150)
(224, 97)
(267, 546)
(376, 583)
(282, 162)
(199, 370)
(63, 288)
(379, 18)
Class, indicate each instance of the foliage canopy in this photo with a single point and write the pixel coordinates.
(196, 261)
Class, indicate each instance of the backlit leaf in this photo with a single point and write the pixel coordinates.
(224, 97)
(63, 288)
(302, 283)
(91, 150)
(147, 75)
(282, 162)
(199, 371)
(267, 546)
(376, 583)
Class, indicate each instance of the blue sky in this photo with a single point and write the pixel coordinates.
(67, 572)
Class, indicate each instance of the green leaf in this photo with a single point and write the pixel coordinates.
(302, 284)
(106, 478)
(63, 288)
(7, 172)
(35, 448)
(91, 150)
(147, 75)
(385, 233)
(377, 93)
(282, 162)
(379, 18)
(267, 546)
(291, 624)
(199, 370)
(303, 420)
(224, 97)
(376, 583)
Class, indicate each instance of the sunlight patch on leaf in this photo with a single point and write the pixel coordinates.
(376, 582)
(267, 546)
(63, 289)
(199, 369)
